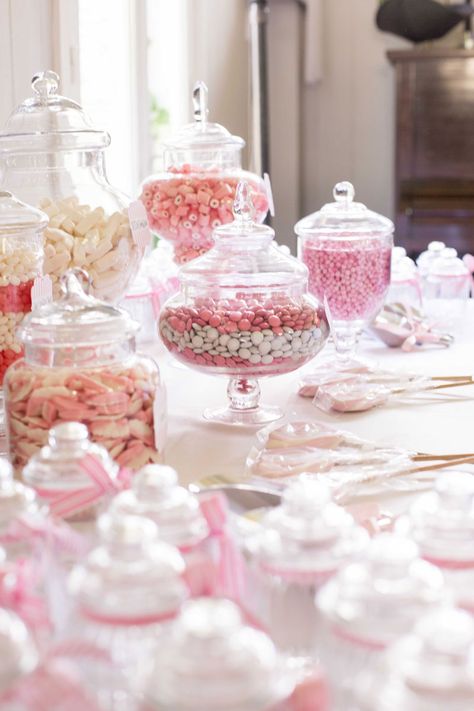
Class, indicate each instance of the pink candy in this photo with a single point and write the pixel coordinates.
(186, 209)
(353, 279)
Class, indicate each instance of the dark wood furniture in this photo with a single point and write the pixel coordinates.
(434, 188)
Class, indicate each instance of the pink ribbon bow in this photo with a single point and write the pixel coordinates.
(102, 484)
(17, 593)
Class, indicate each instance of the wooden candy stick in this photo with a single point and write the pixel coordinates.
(423, 457)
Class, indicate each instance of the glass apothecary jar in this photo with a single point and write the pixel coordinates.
(80, 365)
(195, 194)
(51, 156)
(243, 311)
(347, 249)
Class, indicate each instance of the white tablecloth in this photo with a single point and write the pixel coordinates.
(197, 448)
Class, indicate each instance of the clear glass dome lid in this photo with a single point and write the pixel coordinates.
(379, 596)
(447, 263)
(442, 521)
(244, 249)
(17, 651)
(76, 318)
(16, 499)
(155, 493)
(17, 216)
(210, 660)
(131, 575)
(201, 135)
(308, 532)
(48, 122)
(344, 217)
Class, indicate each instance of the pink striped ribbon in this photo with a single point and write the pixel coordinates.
(18, 582)
(34, 528)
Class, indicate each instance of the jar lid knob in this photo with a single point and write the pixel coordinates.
(75, 281)
(344, 192)
(45, 84)
(200, 92)
(243, 207)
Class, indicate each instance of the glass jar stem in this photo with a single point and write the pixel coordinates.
(346, 340)
(244, 395)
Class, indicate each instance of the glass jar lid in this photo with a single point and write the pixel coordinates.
(131, 575)
(17, 216)
(76, 318)
(201, 135)
(48, 122)
(175, 510)
(16, 499)
(379, 597)
(244, 248)
(308, 532)
(210, 660)
(17, 651)
(344, 218)
(447, 263)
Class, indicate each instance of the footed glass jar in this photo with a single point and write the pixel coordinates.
(442, 524)
(51, 156)
(301, 544)
(243, 311)
(208, 660)
(370, 604)
(195, 194)
(430, 670)
(80, 365)
(347, 249)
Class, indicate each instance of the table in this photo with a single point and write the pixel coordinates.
(196, 448)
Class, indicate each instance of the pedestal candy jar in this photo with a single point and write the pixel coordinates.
(21, 262)
(370, 604)
(195, 194)
(243, 311)
(80, 365)
(51, 156)
(347, 249)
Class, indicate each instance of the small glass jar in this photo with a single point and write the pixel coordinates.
(80, 365)
(405, 284)
(243, 311)
(347, 249)
(442, 524)
(127, 590)
(51, 156)
(55, 471)
(196, 193)
(21, 262)
(426, 258)
(207, 660)
(430, 670)
(447, 291)
(370, 604)
(18, 654)
(301, 544)
(16, 500)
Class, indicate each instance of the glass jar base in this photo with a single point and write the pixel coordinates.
(253, 417)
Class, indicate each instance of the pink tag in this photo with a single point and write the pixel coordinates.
(268, 186)
(41, 291)
(139, 224)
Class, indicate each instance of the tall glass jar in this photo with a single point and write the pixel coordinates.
(301, 544)
(347, 249)
(195, 194)
(244, 312)
(51, 156)
(80, 365)
(370, 604)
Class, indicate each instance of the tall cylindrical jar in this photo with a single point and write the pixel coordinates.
(81, 365)
(51, 156)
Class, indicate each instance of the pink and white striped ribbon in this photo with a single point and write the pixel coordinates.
(34, 528)
(18, 582)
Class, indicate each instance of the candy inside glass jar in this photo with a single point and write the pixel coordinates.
(195, 195)
(51, 156)
(243, 311)
(347, 249)
(80, 365)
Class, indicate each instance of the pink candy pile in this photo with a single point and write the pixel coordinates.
(263, 337)
(354, 278)
(186, 209)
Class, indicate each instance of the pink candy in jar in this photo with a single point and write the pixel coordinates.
(347, 249)
(80, 365)
(244, 311)
(196, 194)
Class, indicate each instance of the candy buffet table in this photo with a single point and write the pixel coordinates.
(197, 448)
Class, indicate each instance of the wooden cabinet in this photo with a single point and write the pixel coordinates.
(434, 186)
